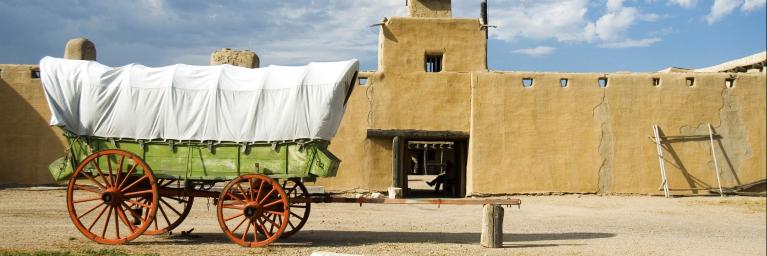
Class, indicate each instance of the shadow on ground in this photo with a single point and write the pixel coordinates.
(354, 238)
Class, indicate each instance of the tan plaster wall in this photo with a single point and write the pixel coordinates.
(429, 8)
(589, 139)
(405, 42)
(29, 144)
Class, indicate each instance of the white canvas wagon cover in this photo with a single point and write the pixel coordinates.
(184, 102)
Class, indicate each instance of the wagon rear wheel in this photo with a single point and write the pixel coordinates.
(171, 209)
(299, 209)
(103, 192)
(246, 207)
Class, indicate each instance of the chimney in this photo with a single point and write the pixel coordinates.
(429, 8)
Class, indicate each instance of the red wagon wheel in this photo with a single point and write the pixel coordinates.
(299, 209)
(245, 207)
(171, 210)
(104, 190)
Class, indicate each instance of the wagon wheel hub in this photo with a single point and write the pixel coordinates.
(253, 210)
(112, 197)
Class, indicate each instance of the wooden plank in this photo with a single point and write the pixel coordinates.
(492, 226)
(664, 179)
(713, 154)
(466, 201)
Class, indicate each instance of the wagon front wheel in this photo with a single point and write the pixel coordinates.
(246, 208)
(104, 192)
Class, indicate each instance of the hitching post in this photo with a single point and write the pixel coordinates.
(492, 226)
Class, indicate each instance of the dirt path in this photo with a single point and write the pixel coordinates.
(545, 225)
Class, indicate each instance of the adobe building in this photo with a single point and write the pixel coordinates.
(433, 101)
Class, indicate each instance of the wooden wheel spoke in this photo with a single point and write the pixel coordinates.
(278, 213)
(170, 206)
(273, 203)
(101, 174)
(241, 191)
(233, 216)
(111, 176)
(234, 196)
(291, 223)
(125, 219)
(97, 218)
(239, 225)
(137, 193)
(132, 213)
(232, 206)
(106, 224)
(261, 224)
(93, 180)
(260, 188)
(291, 190)
(164, 215)
(267, 196)
(90, 210)
(271, 221)
(88, 188)
(271, 228)
(119, 168)
(127, 175)
(297, 205)
(87, 199)
(297, 216)
(247, 228)
(117, 224)
(256, 224)
(134, 183)
(134, 202)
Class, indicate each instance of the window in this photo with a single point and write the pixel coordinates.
(35, 73)
(433, 63)
(690, 81)
(363, 81)
(729, 82)
(527, 82)
(656, 81)
(603, 82)
(563, 82)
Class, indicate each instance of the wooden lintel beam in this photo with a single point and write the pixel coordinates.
(416, 134)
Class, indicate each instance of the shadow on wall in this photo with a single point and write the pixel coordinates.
(29, 144)
(695, 184)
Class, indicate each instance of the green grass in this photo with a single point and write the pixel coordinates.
(88, 252)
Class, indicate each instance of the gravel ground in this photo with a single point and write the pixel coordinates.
(544, 225)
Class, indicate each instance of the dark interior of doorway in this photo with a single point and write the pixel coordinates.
(424, 161)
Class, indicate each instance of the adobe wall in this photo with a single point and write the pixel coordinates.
(415, 100)
(587, 139)
(405, 41)
(29, 143)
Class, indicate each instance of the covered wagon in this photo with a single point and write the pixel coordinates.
(144, 142)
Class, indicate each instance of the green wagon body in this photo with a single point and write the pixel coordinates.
(188, 160)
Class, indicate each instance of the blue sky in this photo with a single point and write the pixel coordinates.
(532, 35)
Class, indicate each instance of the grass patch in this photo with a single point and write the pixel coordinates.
(88, 252)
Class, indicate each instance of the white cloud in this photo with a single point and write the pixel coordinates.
(565, 20)
(545, 19)
(752, 5)
(614, 24)
(722, 8)
(536, 51)
(684, 3)
(614, 5)
(630, 43)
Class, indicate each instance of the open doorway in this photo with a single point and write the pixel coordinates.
(434, 168)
